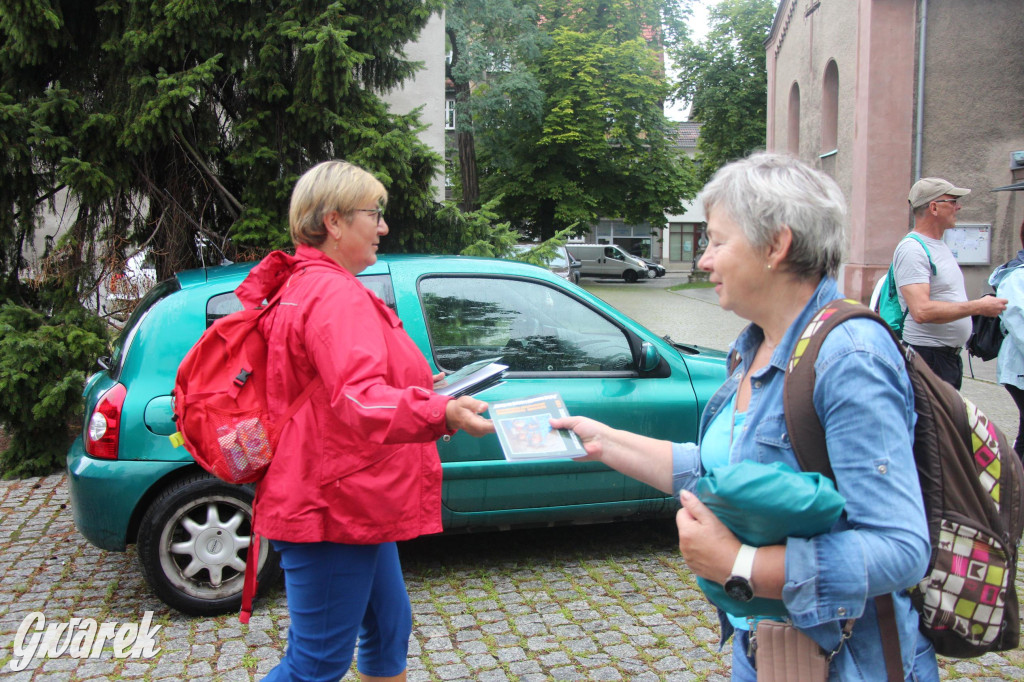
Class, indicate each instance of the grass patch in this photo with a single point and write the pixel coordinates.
(691, 285)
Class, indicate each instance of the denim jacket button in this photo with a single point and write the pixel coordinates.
(757, 384)
(841, 611)
(882, 468)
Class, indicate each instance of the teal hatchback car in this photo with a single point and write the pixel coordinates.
(130, 485)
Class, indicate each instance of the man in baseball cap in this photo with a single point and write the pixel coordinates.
(931, 285)
(926, 190)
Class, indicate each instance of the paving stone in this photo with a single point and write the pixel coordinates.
(451, 672)
(511, 654)
(480, 661)
(474, 646)
(444, 658)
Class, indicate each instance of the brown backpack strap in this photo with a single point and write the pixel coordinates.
(806, 433)
(807, 436)
(890, 638)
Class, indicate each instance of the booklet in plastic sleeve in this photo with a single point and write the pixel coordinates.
(525, 433)
(473, 378)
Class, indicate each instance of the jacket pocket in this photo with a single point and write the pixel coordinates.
(772, 440)
(338, 464)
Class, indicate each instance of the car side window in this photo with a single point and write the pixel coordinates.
(531, 326)
(220, 306)
(381, 285)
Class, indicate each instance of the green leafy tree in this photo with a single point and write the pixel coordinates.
(181, 124)
(593, 141)
(492, 44)
(725, 80)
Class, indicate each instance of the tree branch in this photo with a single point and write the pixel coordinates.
(234, 205)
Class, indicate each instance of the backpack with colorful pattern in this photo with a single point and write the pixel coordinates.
(973, 487)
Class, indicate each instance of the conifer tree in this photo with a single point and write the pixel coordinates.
(182, 126)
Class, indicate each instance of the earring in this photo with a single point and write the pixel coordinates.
(769, 266)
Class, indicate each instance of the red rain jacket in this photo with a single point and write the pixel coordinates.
(357, 464)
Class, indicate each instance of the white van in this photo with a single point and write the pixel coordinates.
(608, 260)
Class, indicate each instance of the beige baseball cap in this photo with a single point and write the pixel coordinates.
(930, 189)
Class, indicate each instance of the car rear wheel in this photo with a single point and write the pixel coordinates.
(629, 276)
(192, 545)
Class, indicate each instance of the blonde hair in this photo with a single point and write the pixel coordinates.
(330, 186)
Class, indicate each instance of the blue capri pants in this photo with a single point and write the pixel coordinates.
(336, 594)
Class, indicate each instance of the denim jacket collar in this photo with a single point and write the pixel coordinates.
(750, 338)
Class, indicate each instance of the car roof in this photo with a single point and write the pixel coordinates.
(422, 262)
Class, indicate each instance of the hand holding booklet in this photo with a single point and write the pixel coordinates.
(524, 429)
(473, 378)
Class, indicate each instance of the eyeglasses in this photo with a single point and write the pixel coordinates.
(946, 201)
(379, 211)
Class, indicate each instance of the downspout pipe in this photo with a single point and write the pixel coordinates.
(920, 90)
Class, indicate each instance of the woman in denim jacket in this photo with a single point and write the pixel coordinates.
(776, 231)
(1008, 281)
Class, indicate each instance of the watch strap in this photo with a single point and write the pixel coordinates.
(743, 567)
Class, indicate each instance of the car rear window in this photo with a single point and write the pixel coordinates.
(124, 339)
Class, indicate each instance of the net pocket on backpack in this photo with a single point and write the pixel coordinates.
(966, 589)
(243, 441)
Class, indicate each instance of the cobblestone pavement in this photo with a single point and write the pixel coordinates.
(609, 602)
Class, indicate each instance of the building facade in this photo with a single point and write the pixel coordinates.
(879, 93)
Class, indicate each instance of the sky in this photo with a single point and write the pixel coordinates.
(698, 29)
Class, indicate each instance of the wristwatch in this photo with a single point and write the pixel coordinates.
(738, 585)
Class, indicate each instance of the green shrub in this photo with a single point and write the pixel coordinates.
(44, 361)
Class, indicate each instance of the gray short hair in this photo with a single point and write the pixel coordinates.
(765, 191)
(329, 186)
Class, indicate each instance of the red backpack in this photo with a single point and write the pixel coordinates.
(220, 407)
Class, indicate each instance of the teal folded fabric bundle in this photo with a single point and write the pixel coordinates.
(763, 504)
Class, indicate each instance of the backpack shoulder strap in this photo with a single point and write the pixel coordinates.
(924, 246)
(806, 434)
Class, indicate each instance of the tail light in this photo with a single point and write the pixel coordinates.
(103, 430)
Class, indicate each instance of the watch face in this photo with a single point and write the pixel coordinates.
(739, 589)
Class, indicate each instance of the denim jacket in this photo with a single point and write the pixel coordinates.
(1008, 281)
(880, 544)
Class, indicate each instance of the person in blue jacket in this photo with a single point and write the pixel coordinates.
(777, 231)
(1008, 281)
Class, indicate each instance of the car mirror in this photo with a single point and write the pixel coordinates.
(650, 358)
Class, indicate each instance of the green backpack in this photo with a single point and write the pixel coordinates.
(889, 308)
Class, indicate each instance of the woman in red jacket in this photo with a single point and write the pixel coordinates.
(356, 468)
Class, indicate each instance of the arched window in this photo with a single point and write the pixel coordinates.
(793, 137)
(830, 109)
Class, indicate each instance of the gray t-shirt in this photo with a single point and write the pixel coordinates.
(910, 266)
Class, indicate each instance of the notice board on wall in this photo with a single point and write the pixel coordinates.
(969, 242)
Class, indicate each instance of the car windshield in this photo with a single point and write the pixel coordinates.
(559, 260)
(124, 339)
